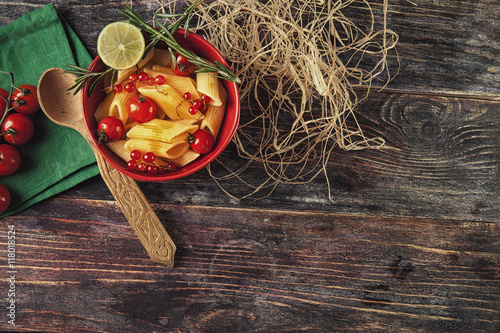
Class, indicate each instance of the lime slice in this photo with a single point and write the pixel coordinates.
(120, 45)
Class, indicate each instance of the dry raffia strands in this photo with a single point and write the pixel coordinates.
(300, 63)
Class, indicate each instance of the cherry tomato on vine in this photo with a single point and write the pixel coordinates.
(4, 97)
(182, 67)
(5, 198)
(141, 108)
(17, 128)
(201, 141)
(110, 129)
(25, 100)
(10, 159)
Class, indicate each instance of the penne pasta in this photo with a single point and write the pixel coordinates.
(118, 147)
(162, 130)
(104, 108)
(215, 114)
(170, 101)
(161, 57)
(208, 84)
(181, 84)
(163, 69)
(169, 150)
(186, 158)
(118, 106)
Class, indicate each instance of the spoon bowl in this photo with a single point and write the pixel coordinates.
(63, 110)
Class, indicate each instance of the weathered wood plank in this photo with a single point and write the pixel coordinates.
(251, 270)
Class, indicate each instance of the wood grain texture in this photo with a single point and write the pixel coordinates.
(410, 242)
(251, 270)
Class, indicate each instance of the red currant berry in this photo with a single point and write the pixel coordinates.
(159, 80)
(151, 81)
(171, 166)
(141, 167)
(131, 165)
(152, 169)
(135, 155)
(117, 88)
(198, 103)
(133, 77)
(206, 99)
(149, 157)
(130, 87)
(187, 95)
(161, 171)
(202, 108)
(143, 77)
(192, 110)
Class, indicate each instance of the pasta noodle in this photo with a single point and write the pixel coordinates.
(161, 130)
(215, 114)
(185, 159)
(104, 108)
(170, 150)
(118, 106)
(163, 69)
(180, 83)
(118, 147)
(208, 84)
(170, 101)
(161, 57)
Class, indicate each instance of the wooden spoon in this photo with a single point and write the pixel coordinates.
(64, 108)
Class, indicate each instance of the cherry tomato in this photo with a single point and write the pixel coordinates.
(201, 141)
(17, 128)
(183, 66)
(10, 159)
(4, 97)
(5, 198)
(141, 108)
(25, 100)
(110, 129)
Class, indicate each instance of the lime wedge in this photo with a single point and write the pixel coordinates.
(120, 45)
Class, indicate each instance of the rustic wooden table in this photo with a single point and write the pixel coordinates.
(410, 244)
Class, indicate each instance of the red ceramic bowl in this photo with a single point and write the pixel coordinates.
(231, 119)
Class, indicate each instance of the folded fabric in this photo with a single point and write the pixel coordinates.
(56, 158)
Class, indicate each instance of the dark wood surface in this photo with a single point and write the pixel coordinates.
(410, 242)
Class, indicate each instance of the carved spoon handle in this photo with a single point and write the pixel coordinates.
(138, 212)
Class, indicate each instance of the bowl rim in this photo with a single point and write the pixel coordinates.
(220, 145)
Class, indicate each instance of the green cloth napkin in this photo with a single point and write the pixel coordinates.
(56, 158)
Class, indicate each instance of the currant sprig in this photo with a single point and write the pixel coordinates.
(147, 163)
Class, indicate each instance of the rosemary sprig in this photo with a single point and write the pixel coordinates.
(165, 34)
(84, 76)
